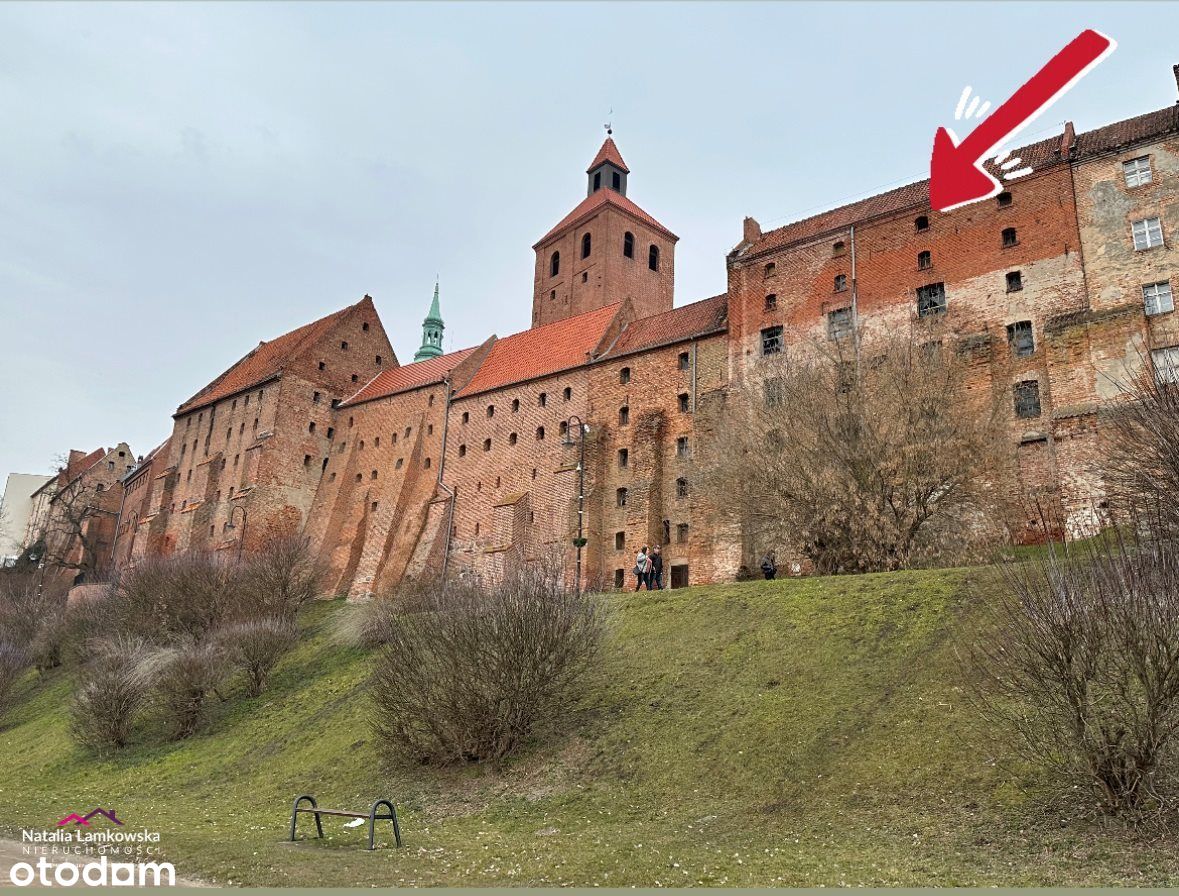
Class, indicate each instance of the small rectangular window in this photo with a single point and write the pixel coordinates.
(924, 261)
(1027, 399)
(840, 282)
(1148, 233)
(771, 340)
(681, 446)
(1157, 297)
(685, 361)
(1021, 338)
(931, 299)
(1166, 364)
(684, 402)
(1014, 281)
(772, 302)
(681, 533)
(1137, 171)
(839, 323)
(623, 457)
(619, 541)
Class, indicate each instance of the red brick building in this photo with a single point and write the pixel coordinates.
(589, 423)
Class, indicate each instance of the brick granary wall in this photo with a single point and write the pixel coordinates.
(473, 460)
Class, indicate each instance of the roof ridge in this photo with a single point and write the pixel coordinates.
(919, 188)
(301, 336)
(597, 199)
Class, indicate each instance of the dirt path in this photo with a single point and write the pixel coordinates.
(11, 852)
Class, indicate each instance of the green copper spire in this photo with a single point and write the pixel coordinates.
(432, 328)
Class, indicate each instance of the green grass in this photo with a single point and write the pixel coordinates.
(799, 732)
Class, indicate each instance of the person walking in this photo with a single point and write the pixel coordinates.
(642, 567)
(656, 558)
(769, 565)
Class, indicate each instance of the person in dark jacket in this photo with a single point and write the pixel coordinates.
(642, 570)
(656, 559)
(769, 565)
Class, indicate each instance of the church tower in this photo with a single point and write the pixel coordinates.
(432, 328)
(604, 251)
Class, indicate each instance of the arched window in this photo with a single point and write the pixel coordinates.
(586, 245)
(653, 257)
(628, 244)
(555, 264)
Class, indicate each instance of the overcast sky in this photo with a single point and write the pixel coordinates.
(180, 181)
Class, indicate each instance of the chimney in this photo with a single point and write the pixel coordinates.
(752, 230)
(1067, 139)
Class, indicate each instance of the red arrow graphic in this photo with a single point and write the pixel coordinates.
(956, 175)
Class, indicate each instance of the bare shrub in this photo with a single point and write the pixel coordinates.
(110, 692)
(13, 663)
(371, 622)
(186, 676)
(281, 577)
(1078, 661)
(177, 599)
(256, 645)
(1142, 466)
(34, 618)
(470, 672)
(863, 459)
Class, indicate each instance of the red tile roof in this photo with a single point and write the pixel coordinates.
(541, 351)
(408, 376)
(677, 325)
(265, 362)
(911, 196)
(594, 202)
(608, 153)
(1120, 133)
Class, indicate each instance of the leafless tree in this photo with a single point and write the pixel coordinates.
(1077, 659)
(470, 672)
(72, 533)
(862, 460)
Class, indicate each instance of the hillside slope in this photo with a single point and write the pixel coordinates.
(800, 732)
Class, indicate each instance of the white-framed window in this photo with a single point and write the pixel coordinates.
(1148, 233)
(1157, 297)
(1166, 364)
(1137, 171)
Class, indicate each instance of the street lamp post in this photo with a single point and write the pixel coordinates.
(229, 526)
(578, 542)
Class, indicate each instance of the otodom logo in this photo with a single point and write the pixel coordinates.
(90, 850)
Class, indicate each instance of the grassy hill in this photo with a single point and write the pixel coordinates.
(800, 732)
